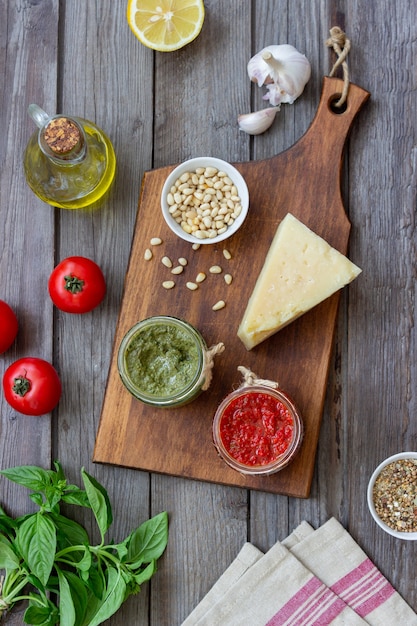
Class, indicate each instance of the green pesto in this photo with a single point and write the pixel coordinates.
(162, 360)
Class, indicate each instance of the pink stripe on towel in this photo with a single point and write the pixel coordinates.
(364, 588)
(313, 605)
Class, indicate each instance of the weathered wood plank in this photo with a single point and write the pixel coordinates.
(106, 76)
(26, 225)
(379, 382)
(197, 98)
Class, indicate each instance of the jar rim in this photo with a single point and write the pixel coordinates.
(279, 462)
(195, 382)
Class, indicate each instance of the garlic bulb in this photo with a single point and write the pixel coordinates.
(283, 70)
(257, 122)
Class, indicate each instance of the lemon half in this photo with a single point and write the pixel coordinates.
(165, 25)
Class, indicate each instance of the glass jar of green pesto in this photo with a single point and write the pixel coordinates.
(162, 361)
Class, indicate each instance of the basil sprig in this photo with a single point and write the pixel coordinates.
(50, 562)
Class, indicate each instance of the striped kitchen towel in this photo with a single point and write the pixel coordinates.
(313, 578)
(333, 556)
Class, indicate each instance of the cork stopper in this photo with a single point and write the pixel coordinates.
(62, 135)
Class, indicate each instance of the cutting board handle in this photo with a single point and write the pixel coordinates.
(330, 126)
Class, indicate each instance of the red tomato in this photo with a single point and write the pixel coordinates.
(32, 386)
(77, 285)
(8, 326)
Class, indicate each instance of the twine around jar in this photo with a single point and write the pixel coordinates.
(341, 45)
(250, 379)
(209, 362)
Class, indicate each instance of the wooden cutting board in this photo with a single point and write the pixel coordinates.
(303, 180)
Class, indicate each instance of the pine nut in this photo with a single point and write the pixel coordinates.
(215, 269)
(177, 270)
(156, 241)
(192, 286)
(148, 255)
(168, 284)
(228, 279)
(182, 261)
(219, 305)
(166, 261)
(200, 277)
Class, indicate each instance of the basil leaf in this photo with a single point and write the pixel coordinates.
(69, 533)
(29, 476)
(99, 501)
(8, 559)
(41, 615)
(37, 498)
(120, 549)
(79, 595)
(36, 538)
(114, 597)
(66, 603)
(7, 525)
(95, 581)
(145, 574)
(78, 497)
(93, 605)
(148, 542)
(59, 471)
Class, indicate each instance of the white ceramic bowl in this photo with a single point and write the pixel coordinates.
(411, 536)
(190, 166)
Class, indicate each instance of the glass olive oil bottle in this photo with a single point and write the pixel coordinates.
(69, 162)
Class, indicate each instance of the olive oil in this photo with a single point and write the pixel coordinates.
(69, 163)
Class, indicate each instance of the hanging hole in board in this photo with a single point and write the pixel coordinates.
(333, 104)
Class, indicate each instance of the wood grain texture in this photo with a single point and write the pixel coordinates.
(159, 109)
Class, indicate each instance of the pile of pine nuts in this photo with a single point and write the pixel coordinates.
(204, 203)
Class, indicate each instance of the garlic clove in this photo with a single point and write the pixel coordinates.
(283, 70)
(257, 122)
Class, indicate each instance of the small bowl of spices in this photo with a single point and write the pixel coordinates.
(205, 200)
(164, 361)
(392, 495)
(257, 429)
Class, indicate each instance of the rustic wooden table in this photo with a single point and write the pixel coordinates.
(161, 108)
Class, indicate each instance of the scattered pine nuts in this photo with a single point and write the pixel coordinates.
(196, 246)
(200, 277)
(182, 261)
(168, 284)
(166, 261)
(219, 305)
(215, 269)
(177, 270)
(228, 279)
(156, 241)
(227, 254)
(148, 254)
(192, 286)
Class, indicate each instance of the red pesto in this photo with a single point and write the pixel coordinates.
(256, 428)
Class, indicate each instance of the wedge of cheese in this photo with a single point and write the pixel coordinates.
(300, 270)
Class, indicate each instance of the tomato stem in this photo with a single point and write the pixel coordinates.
(73, 284)
(21, 386)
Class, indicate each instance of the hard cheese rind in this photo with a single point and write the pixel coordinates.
(300, 270)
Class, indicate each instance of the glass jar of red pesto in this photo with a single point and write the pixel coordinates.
(257, 430)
